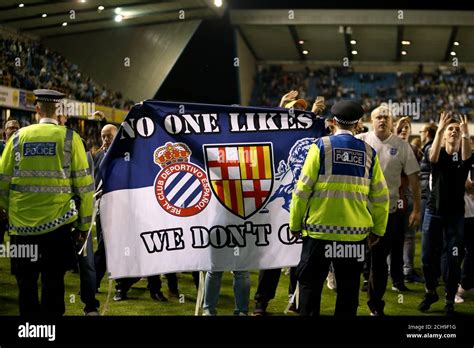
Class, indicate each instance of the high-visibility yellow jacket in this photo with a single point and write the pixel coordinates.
(341, 193)
(45, 180)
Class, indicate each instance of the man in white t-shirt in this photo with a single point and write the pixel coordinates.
(396, 156)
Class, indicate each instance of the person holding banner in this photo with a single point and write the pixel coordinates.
(341, 176)
(47, 189)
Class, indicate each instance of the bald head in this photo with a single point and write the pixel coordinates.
(108, 134)
(382, 121)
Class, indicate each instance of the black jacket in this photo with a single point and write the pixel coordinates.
(425, 170)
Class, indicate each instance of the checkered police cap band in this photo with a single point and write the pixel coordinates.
(344, 121)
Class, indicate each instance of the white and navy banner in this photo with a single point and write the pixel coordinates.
(203, 187)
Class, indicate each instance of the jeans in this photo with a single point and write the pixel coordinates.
(88, 277)
(442, 234)
(241, 291)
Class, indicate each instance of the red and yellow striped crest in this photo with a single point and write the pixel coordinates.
(241, 175)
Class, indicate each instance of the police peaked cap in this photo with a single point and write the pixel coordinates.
(48, 95)
(347, 112)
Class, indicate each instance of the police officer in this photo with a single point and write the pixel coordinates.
(11, 127)
(341, 176)
(47, 190)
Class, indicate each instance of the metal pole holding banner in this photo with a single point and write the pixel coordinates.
(294, 298)
(200, 293)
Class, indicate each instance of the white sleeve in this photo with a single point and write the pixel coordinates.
(410, 163)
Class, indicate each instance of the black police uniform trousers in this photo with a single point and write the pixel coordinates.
(55, 256)
(268, 282)
(313, 269)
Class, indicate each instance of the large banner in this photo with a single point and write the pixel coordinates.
(203, 187)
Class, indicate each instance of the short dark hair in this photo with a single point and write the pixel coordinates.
(431, 128)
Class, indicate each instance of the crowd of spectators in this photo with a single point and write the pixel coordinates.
(450, 90)
(39, 67)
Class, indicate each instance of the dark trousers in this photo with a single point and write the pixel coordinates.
(397, 244)
(154, 283)
(268, 282)
(100, 263)
(378, 264)
(87, 276)
(442, 235)
(467, 275)
(313, 269)
(55, 256)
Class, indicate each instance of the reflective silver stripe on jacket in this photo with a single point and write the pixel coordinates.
(67, 150)
(52, 189)
(368, 158)
(6, 178)
(378, 199)
(336, 229)
(16, 150)
(301, 193)
(345, 179)
(341, 194)
(379, 186)
(306, 180)
(47, 226)
(80, 173)
(84, 189)
(61, 174)
(327, 155)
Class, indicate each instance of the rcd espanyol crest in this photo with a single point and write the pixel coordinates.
(241, 175)
(181, 187)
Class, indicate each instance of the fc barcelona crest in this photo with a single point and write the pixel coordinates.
(241, 175)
